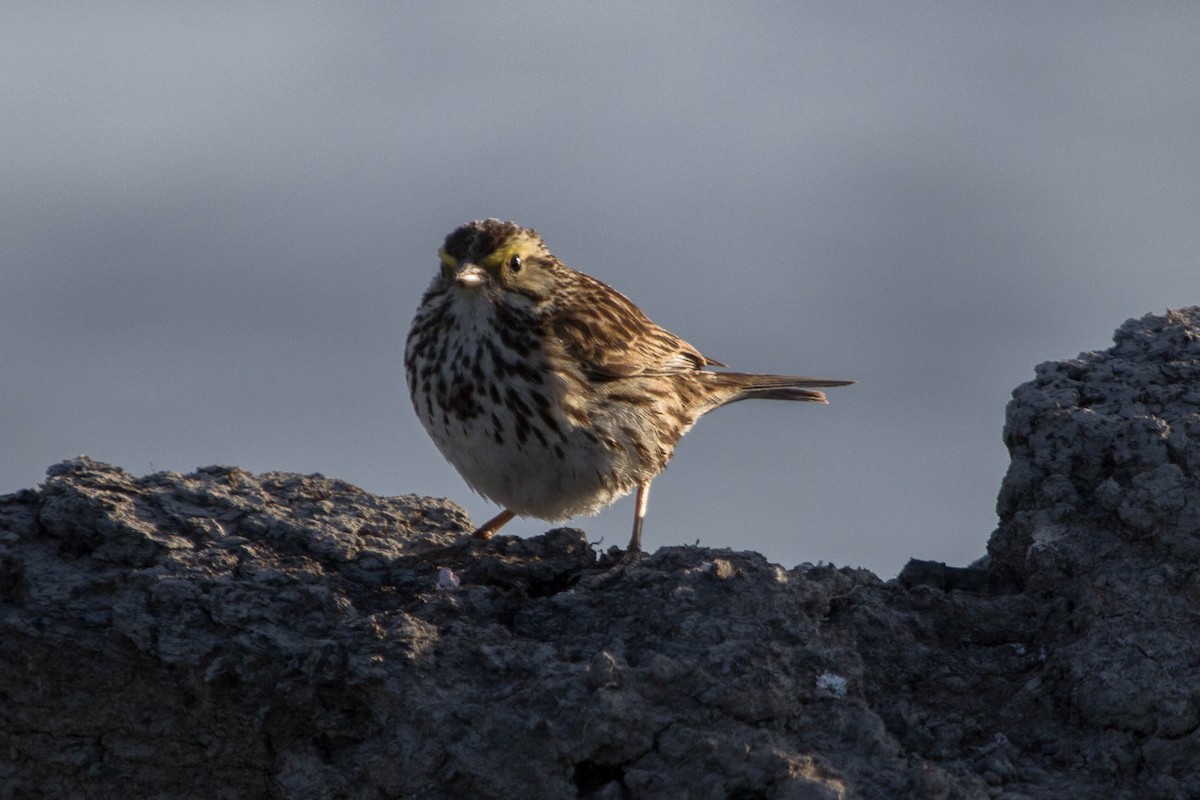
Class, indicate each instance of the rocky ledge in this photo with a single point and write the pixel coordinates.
(228, 635)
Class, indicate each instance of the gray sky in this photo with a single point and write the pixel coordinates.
(217, 221)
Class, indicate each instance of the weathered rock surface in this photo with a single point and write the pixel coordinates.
(228, 635)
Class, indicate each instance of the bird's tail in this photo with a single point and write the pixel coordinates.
(744, 386)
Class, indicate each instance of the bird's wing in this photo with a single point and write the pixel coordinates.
(611, 337)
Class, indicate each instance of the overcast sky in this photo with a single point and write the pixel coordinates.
(217, 221)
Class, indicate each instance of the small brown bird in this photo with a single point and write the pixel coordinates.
(551, 393)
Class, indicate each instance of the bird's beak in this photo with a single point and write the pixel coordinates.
(469, 276)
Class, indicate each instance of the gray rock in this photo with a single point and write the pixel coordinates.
(228, 635)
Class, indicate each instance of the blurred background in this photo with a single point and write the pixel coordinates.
(218, 219)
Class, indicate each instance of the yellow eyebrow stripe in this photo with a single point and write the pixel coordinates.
(500, 256)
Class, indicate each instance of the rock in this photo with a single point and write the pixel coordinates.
(1100, 524)
(228, 635)
(1105, 453)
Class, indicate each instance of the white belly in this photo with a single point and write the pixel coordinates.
(531, 479)
(508, 438)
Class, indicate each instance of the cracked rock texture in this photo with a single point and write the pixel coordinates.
(228, 635)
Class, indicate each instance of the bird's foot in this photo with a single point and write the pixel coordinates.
(614, 571)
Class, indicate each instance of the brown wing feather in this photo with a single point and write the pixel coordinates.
(612, 338)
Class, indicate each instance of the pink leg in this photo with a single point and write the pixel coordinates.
(639, 514)
(489, 528)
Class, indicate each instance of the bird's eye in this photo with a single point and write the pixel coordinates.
(514, 263)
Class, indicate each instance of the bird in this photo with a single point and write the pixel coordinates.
(551, 393)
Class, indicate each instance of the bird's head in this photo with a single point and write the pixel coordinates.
(493, 256)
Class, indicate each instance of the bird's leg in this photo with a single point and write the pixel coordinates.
(633, 553)
(488, 529)
(639, 514)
